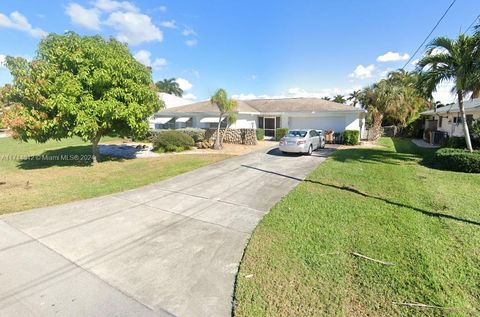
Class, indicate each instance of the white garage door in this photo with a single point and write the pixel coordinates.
(319, 123)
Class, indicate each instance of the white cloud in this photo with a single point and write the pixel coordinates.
(191, 43)
(189, 96)
(252, 77)
(444, 93)
(188, 31)
(2, 61)
(184, 84)
(162, 8)
(86, 18)
(171, 24)
(110, 5)
(392, 57)
(296, 92)
(363, 72)
(19, 22)
(144, 57)
(134, 28)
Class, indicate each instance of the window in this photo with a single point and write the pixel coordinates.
(313, 133)
(260, 122)
(440, 121)
(457, 120)
(297, 133)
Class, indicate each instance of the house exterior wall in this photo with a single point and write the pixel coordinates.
(448, 125)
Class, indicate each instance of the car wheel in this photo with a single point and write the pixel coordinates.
(310, 150)
(322, 146)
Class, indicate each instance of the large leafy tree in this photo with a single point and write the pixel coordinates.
(225, 106)
(169, 86)
(84, 86)
(457, 61)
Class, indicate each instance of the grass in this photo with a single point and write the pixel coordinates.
(31, 183)
(381, 202)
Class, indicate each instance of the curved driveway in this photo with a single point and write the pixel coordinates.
(171, 248)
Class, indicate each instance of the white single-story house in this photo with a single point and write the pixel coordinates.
(169, 101)
(268, 114)
(447, 118)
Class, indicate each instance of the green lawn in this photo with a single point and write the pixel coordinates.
(26, 184)
(383, 203)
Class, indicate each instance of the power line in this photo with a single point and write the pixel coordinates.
(475, 20)
(429, 34)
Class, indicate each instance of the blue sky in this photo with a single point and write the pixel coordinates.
(250, 48)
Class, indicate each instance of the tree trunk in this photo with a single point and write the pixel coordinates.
(464, 121)
(95, 151)
(377, 126)
(217, 146)
(223, 135)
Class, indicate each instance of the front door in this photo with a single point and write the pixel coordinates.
(269, 127)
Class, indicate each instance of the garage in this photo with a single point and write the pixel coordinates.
(335, 123)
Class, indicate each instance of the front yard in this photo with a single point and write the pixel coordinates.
(39, 182)
(382, 203)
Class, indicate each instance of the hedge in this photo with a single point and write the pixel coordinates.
(198, 135)
(260, 134)
(454, 142)
(458, 160)
(351, 137)
(281, 132)
(172, 141)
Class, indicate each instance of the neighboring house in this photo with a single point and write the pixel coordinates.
(447, 118)
(269, 114)
(170, 101)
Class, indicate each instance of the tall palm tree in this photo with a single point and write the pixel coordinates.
(339, 99)
(225, 106)
(354, 97)
(458, 61)
(169, 86)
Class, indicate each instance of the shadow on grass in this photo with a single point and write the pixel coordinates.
(80, 155)
(355, 191)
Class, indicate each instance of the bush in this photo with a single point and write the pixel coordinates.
(198, 135)
(281, 132)
(172, 141)
(260, 134)
(351, 137)
(454, 142)
(458, 160)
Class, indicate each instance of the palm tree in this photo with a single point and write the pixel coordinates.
(225, 106)
(458, 61)
(354, 97)
(339, 99)
(169, 86)
(326, 98)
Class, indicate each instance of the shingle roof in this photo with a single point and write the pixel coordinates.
(270, 105)
(468, 105)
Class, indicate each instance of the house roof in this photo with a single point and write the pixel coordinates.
(472, 105)
(270, 106)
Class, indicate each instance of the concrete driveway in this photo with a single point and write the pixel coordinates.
(171, 248)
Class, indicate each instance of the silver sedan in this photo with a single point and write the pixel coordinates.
(301, 141)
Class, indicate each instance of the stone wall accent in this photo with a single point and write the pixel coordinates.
(236, 136)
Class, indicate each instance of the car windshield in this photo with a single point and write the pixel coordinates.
(297, 134)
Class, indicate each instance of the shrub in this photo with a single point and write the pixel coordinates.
(172, 141)
(454, 142)
(198, 135)
(260, 134)
(458, 160)
(281, 132)
(351, 137)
